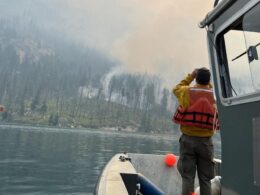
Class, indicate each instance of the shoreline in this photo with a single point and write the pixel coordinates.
(127, 130)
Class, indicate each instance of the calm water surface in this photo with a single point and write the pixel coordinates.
(36, 160)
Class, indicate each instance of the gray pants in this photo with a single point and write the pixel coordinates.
(196, 153)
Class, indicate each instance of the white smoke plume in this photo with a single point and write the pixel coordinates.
(167, 41)
(147, 36)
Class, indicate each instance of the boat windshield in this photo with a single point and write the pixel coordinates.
(242, 44)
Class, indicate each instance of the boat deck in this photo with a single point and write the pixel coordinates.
(151, 166)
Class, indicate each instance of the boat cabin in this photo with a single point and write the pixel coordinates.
(233, 36)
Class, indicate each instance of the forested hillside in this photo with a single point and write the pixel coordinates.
(45, 80)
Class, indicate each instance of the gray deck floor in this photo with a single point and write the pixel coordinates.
(153, 167)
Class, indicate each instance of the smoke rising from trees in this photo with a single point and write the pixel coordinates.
(148, 36)
(97, 63)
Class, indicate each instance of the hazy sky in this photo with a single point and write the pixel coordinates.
(153, 36)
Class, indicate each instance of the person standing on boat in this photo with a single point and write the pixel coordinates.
(197, 116)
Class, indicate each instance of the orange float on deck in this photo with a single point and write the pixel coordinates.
(170, 160)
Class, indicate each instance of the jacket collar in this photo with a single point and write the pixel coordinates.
(202, 86)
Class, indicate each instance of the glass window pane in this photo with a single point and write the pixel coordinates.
(251, 27)
(240, 75)
(242, 44)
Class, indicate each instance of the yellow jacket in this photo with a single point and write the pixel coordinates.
(181, 91)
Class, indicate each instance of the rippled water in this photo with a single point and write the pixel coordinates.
(35, 160)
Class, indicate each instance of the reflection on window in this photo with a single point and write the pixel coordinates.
(253, 39)
(242, 43)
(240, 75)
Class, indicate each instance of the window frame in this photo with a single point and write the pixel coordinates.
(240, 99)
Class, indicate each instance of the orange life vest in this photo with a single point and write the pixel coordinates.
(201, 111)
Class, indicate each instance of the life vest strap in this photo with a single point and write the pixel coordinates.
(194, 114)
(191, 118)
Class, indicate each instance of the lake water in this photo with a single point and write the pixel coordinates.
(37, 160)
